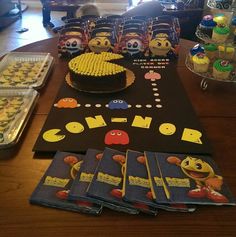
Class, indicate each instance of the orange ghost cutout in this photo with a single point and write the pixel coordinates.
(67, 103)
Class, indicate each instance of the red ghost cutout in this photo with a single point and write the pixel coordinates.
(116, 137)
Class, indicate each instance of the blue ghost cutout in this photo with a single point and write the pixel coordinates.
(117, 104)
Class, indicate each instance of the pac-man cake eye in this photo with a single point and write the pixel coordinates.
(106, 42)
(98, 42)
(120, 101)
(119, 133)
(113, 133)
(114, 101)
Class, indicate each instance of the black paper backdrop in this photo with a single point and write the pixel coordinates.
(173, 106)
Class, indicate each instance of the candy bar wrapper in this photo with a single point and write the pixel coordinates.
(104, 33)
(164, 42)
(133, 46)
(133, 38)
(165, 19)
(100, 44)
(188, 179)
(90, 21)
(136, 186)
(84, 177)
(72, 42)
(107, 182)
(54, 186)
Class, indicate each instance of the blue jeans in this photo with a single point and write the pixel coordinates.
(45, 12)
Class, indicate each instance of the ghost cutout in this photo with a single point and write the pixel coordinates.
(151, 75)
(116, 137)
(66, 103)
(117, 104)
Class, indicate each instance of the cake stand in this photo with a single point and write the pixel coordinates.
(223, 6)
(208, 75)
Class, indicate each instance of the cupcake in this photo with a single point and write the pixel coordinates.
(221, 19)
(233, 24)
(207, 24)
(196, 49)
(220, 33)
(210, 50)
(222, 69)
(226, 52)
(200, 62)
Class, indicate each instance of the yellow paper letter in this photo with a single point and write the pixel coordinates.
(191, 135)
(96, 122)
(167, 129)
(141, 122)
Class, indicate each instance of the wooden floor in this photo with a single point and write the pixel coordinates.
(32, 20)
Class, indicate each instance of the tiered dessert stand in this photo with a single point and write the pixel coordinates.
(222, 6)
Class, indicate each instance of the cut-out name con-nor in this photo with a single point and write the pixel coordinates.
(166, 129)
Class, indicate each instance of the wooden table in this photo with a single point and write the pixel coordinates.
(20, 171)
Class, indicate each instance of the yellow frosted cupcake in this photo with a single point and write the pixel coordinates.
(226, 52)
(200, 62)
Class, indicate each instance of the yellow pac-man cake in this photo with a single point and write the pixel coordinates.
(94, 72)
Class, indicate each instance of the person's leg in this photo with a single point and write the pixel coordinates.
(150, 9)
(46, 16)
(70, 14)
(46, 13)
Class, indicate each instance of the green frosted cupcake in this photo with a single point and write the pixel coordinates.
(210, 50)
(222, 69)
(220, 33)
